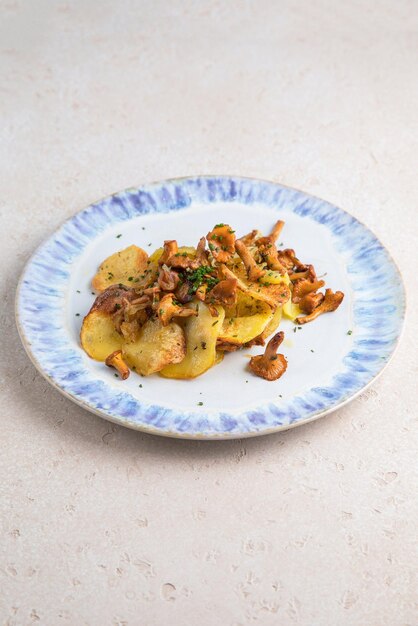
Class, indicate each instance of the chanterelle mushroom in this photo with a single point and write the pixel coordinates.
(270, 365)
(202, 254)
(254, 271)
(167, 279)
(170, 248)
(167, 309)
(250, 237)
(302, 287)
(331, 302)
(221, 240)
(309, 302)
(225, 292)
(303, 271)
(276, 230)
(270, 254)
(115, 360)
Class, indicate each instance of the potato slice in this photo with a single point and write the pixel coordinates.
(98, 335)
(126, 264)
(291, 310)
(219, 356)
(246, 305)
(239, 330)
(273, 324)
(156, 347)
(275, 278)
(201, 334)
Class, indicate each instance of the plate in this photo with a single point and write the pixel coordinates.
(329, 361)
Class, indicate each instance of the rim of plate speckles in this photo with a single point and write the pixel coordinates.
(377, 309)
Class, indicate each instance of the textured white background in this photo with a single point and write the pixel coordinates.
(105, 526)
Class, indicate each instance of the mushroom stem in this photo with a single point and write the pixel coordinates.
(272, 346)
(254, 271)
(276, 230)
(250, 237)
(115, 360)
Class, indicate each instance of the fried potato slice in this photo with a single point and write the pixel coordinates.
(156, 347)
(124, 267)
(273, 323)
(291, 310)
(239, 330)
(272, 277)
(98, 335)
(201, 334)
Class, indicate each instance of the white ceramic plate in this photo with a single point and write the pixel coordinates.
(329, 361)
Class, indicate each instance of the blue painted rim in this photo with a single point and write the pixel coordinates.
(378, 309)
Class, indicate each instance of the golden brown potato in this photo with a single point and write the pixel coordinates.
(201, 334)
(273, 323)
(291, 310)
(98, 335)
(156, 347)
(240, 330)
(125, 267)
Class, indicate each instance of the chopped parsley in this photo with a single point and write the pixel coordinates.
(115, 375)
(77, 314)
(130, 278)
(202, 275)
(214, 323)
(78, 291)
(118, 236)
(312, 350)
(211, 247)
(349, 332)
(140, 385)
(219, 225)
(200, 404)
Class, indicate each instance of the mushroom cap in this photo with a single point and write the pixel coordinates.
(225, 292)
(270, 365)
(167, 309)
(221, 240)
(269, 369)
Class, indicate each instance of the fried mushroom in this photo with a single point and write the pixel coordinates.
(276, 230)
(225, 292)
(331, 302)
(304, 286)
(270, 254)
(221, 240)
(270, 365)
(309, 302)
(167, 279)
(250, 238)
(254, 271)
(115, 360)
(168, 308)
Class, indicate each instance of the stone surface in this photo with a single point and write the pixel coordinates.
(105, 526)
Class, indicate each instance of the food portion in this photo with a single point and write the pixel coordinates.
(178, 311)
